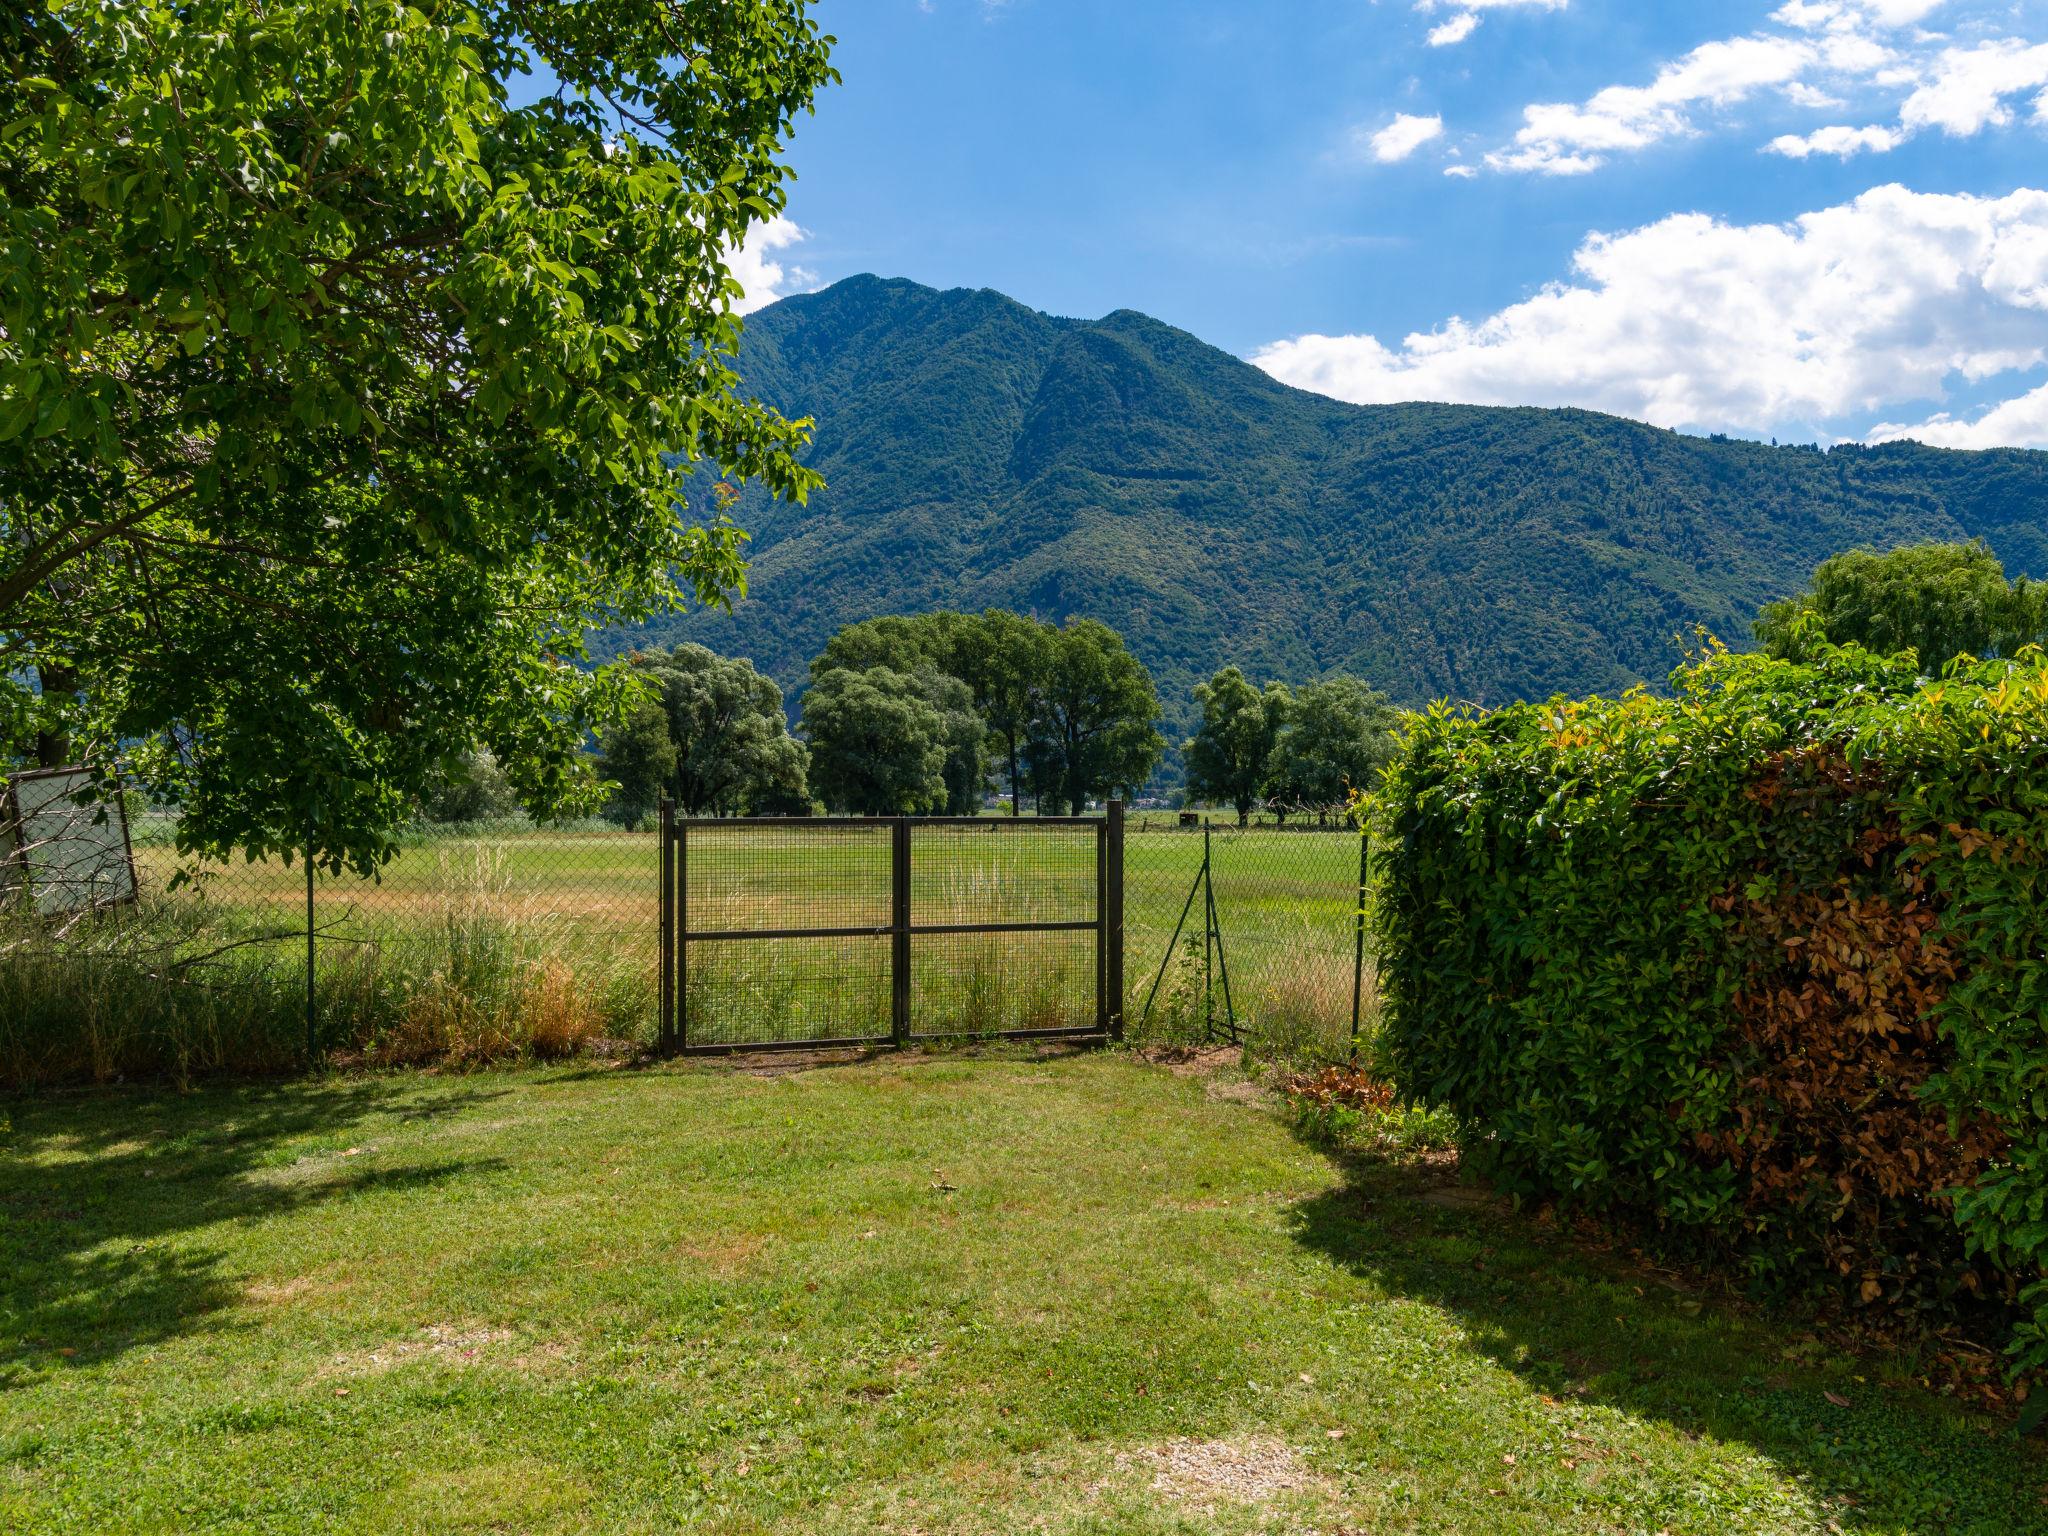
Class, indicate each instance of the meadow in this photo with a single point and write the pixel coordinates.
(970, 1292)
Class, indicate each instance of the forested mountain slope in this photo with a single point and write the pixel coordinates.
(977, 452)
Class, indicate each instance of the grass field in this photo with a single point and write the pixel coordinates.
(1286, 906)
(977, 1294)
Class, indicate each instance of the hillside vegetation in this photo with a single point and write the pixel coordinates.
(978, 453)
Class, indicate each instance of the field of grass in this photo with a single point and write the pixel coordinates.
(979, 1294)
(1285, 903)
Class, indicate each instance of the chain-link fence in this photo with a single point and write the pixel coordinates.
(1252, 933)
(487, 940)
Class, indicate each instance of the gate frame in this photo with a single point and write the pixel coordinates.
(673, 1026)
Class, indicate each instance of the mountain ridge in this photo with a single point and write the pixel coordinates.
(978, 452)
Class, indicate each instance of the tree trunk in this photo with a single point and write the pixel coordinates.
(1014, 795)
(59, 680)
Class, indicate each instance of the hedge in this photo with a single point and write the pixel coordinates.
(1765, 961)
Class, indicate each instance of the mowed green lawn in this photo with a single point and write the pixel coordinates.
(922, 1294)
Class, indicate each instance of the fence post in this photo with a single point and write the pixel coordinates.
(1358, 944)
(665, 874)
(680, 875)
(899, 934)
(312, 1046)
(1208, 943)
(1113, 917)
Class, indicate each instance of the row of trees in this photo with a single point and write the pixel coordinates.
(1291, 749)
(904, 715)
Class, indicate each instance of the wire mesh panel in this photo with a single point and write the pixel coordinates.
(999, 870)
(785, 932)
(1249, 932)
(843, 931)
(1011, 876)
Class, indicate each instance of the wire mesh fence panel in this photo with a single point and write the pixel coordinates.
(997, 870)
(764, 910)
(472, 942)
(1265, 948)
(1002, 983)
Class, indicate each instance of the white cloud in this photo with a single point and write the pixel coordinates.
(1823, 47)
(1403, 136)
(1560, 139)
(1462, 172)
(2020, 422)
(1966, 91)
(1693, 323)
(1839, 141)
(766, 280)
(1456, 30)
(1465, 18)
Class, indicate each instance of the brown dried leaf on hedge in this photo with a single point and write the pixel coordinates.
(1836, 1035)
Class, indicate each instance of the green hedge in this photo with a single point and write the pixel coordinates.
(1765, 960)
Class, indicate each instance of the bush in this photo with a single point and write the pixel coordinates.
(1765, 961)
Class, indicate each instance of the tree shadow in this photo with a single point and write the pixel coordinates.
(102, 1195)
(1580, 1324)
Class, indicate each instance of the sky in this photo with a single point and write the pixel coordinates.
(1815, 221)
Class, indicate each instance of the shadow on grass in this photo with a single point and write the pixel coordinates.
(1577, 1323)
(102, 1195)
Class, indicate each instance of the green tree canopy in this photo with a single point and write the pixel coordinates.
(733, 751)
(339, 397)
(1005, 659)
(878, 745)
(1338, 736)
(1093, 733)
(1229, 759)
(1939, 601)
(639, 755)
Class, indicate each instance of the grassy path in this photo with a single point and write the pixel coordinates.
(924, 1295)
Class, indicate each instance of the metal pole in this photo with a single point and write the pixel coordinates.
(1186, 907)
(664, 989)
(1208, 942)
(899, 925)
(1114, 919)
(1358, 941)
(310, 1045)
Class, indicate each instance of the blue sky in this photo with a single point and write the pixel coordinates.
(1815, 219)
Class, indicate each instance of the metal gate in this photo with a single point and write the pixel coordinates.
(808, 932)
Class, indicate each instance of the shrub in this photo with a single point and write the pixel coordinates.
(1763, 961)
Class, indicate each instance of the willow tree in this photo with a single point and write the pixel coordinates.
(340, 396)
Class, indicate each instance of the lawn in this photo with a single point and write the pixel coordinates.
(977, 1293)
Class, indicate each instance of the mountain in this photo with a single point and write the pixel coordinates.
(977, 453)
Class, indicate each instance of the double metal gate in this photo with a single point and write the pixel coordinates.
(801, 933)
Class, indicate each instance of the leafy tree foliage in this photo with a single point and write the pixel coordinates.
(1093, 733)
(878, 744)
(733, 751)
(640, 757)
(339, 397)
(1339, 734)
(1939, 601)
(1003, 657)
(1230, 757)
(475, 790)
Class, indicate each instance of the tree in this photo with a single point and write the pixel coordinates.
(878, 746)
(339, 398)
(1939, 601)
(1094, 732)
(733, 751)
(1004, 658)
(1230, 756)
(1337, 737)
(964, 738)
(639, 755)
(476, 790)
